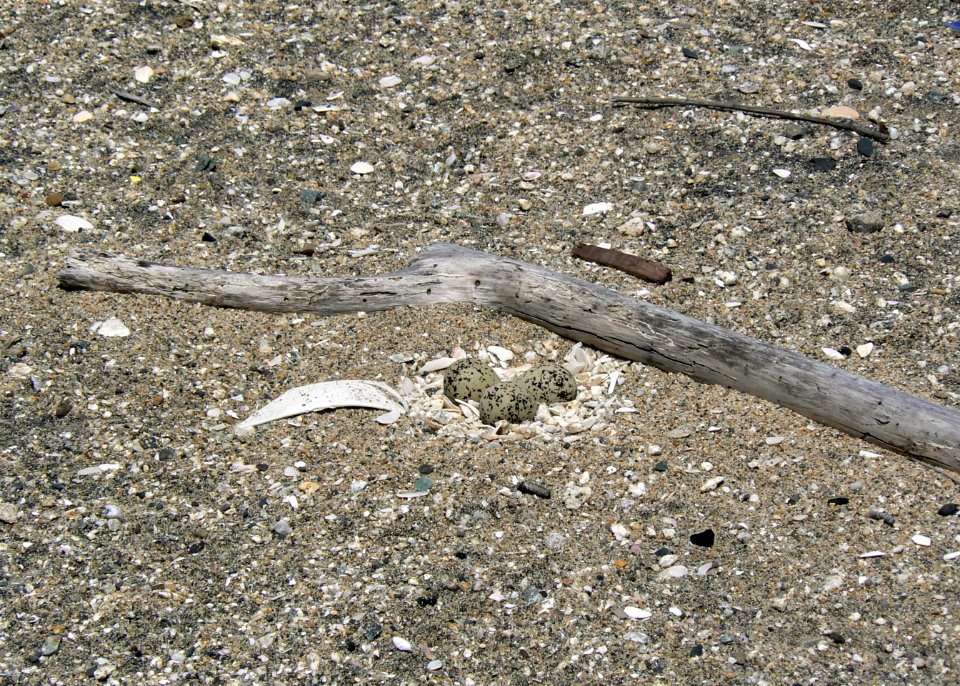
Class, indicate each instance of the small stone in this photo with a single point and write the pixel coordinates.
(182, 21)
(794, 131)
(597, 208)
(690, 54)
(390, 81)
(865, 147)
(63, 408)
(434, 665)
(909, 88)
(402, 644)
(112, 512)
(283, 528)
(711, 484)
(82, 117)
(533, 488)
(782, 173)
(841, 112)
(748, 87)
(633, 227)
(921, 540)
(310, 196)
(525, 204)
(143, 74)
(555, 541)
(838, 501)
(231, 78)
(824, 163)
(277, 103)
(54, 199)
(832, 583)
(661, 466)
(855, 84)
(575, 496)
(423, 484)
(704, 539)
(51, 644)
(112, 328)
(361, 168)
(8, 513)
(865, 222)
(72, 224)
(948, 510)
(637, 612)
(864, 349)
(674, 572)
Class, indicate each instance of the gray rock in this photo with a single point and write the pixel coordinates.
(865, 222)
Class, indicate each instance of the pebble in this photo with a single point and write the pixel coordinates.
(711, 484)
(855, 84)
(920, 539)
(534, 488)
(865, 222)
(575, 496)
(597, 208)
(8, 513)
(310, 196)
(555, 541)
(865, 146)
(637, 612)
(51, 644)
(402, 644)
(674, 572)
(690, 54)
(111, 328)
(82, 117)
(824, 163)
(782, 173)
(864, 349)
(704, 538)
(143, 74)
(361, 168)
(948, 510)
(434, 665)
(282, 528)
(390, 81)
(231, 78)
(72, 224)
(112, 512)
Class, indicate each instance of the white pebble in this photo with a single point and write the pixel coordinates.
(920, 539)
(501, 353)
(620, 532)
(711, 484)
(865, 349)
(72, 224)
(402, 644)
(782, 173)
(674, 572)
(390, 81)
(361, 168)
(597, 208)
(112, 328)
(832, 354)
(143, 74)
(637, 613)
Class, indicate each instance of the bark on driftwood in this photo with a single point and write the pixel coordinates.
(575, 309)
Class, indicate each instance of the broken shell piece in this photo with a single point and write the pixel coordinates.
(549, 384)
(507, 402)
(329, 395)
(501, 353)
(468, 379)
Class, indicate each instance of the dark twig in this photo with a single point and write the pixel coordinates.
(846, 125)
(131, 97)
(625, 262)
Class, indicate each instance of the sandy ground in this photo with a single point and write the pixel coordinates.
(141, 541)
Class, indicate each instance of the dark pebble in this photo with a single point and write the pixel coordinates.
(300, 104)
(696, 651)
(208, 237)
(196, 547)
(262, 466)
(661, 466)
(948, 510)
(855, 84)
(824, 163)
(690, 54)
(427, 601)
(836, 637)
(166, 453)
(794, 131)
(54, 199)
(944, 213)
(205, 164)
(885, 517)
(63, 408)
(839, 501)
(425, 469)
(887, 259)
(372, 630)
(660, 552)
(704, 539)
(845, 350)
(183, 21)
(533, 488)
(310, 196)
(865, 147)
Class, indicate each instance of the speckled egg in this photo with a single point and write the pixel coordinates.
(507, 401)
(468, 379)
(549, 384)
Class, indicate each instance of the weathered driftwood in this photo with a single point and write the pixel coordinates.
(575, 309)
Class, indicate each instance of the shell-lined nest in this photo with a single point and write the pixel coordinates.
(592, 411)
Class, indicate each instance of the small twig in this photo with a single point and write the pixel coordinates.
(867, 131)
(131, 97)
(625, 262)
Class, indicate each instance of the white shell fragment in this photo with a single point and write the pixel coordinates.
(920, 539)
(637, 613)
(782, 173)
(361, 168)
(72, 224)
(865, 349)
(143, 74)
(112, 328)
(597, 208)
(330, 395)
(832, 354)
(402, 644)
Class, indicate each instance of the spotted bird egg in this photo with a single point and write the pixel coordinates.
(508, 401)
(549, 384)
(468, 379)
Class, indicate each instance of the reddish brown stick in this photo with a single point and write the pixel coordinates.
(631, 264)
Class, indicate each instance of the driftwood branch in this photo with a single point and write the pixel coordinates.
(863, 130)
(575, 309)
